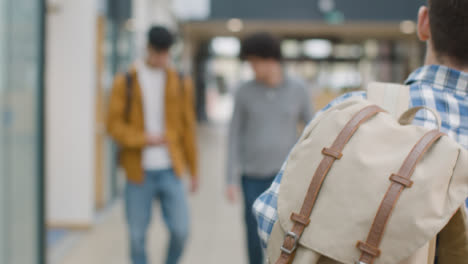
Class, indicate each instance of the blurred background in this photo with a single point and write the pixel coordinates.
(60, 187)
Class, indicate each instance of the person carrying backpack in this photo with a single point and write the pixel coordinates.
(408, 210)
(151, 117)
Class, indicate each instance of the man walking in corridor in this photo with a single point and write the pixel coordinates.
(264, 126)
(151, 118)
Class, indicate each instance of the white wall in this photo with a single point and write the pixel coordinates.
(192, 9)
(70, 112)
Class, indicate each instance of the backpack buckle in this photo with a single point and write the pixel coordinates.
(295, 237)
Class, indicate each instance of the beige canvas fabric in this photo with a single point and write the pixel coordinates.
(356, 184)
(394, 98)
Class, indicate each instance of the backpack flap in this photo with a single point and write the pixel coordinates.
(354, 187)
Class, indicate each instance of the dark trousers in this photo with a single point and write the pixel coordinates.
(252, 188)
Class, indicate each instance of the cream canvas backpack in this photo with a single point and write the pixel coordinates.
(365, 186)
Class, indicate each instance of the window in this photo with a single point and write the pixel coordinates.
(21, 53)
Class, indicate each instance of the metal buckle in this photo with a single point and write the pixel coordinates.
(293, 236)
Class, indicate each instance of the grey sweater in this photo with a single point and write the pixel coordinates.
(264, 127)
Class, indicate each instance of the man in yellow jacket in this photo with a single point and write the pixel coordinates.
(152, 120)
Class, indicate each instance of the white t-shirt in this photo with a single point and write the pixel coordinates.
(153, 83)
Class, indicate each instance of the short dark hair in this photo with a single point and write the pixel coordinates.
(263, 45)
(160, 38)
(449, 23)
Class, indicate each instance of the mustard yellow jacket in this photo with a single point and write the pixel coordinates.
(130, 135)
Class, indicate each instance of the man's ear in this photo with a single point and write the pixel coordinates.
(424, 28)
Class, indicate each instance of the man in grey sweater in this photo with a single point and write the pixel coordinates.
(263, 129)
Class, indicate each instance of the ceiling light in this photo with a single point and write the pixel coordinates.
(226, 46)
(235, 25)
(317, 48)
(408, 27)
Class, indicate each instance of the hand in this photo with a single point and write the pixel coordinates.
(155, 140)
(194, 184)
(232, 193)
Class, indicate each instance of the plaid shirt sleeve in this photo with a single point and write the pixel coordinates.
(265, 207)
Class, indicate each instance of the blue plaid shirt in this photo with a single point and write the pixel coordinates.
(437, 87)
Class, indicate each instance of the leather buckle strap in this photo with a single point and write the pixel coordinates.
(332, 153)
(295, 239)
(369, 249)
(407, 183)
(300, 219)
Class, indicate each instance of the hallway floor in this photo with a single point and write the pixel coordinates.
(217, 234)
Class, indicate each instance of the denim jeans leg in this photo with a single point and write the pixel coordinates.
(251, 189)
(172, 195)
(138, 200)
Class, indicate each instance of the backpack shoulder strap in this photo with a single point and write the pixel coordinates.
(394, 98)
(128, 95)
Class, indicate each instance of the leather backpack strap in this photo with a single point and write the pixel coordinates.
(331, 154)
(400, 181)
(393, 98)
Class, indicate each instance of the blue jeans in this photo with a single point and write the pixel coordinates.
(252, 188)
(165, 186)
